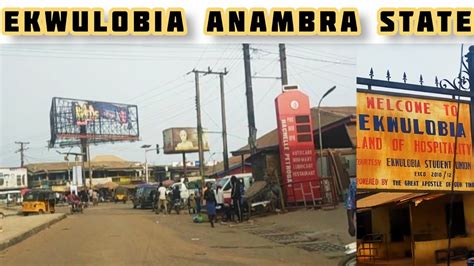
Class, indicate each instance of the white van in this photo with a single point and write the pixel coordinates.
(224, 182)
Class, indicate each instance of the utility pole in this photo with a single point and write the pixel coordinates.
(284, 71)
(199, 125)
(250, 109)
(22, 151)
(249, 94)
(224, 124)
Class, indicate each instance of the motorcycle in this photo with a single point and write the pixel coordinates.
(76, 207)
(350, 259)
(176, 206)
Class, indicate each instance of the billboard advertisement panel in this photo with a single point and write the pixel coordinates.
(72, 120)
(407, 143)
(183, 140)
(297, 155)
(85, 112)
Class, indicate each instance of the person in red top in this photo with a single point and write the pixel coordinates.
(74, 199)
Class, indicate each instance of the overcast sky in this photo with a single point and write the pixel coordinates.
(154, 78)
(429, 61)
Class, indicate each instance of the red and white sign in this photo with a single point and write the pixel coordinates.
(297, 155)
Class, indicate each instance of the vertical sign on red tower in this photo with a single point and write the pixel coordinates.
(297, 155)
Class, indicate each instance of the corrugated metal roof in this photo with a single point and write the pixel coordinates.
(383, 198)
(329, 115)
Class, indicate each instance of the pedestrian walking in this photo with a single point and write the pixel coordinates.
(210, 198)
(162, 199)
(198, 199)
(220, 200)
(236, 198)
(95, 198)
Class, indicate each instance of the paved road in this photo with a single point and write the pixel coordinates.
(119, 235)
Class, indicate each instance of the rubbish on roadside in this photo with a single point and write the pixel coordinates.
(195, 239)
(157, 222)
(197, 218)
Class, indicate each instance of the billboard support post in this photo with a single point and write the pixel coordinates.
(184, 165)
(89, 165)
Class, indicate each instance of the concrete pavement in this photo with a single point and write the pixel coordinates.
(17, 228)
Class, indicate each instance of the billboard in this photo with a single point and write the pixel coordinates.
(297, 155)
(183, 140)
(73, 120)
(408, 143)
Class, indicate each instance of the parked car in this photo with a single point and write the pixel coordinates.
(144, 196)
(226, 185)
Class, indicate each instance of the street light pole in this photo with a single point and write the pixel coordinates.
(146, 168)
(319, 127)
(146, 147)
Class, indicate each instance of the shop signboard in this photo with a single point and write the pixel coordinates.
(408, 143)
(297, 155)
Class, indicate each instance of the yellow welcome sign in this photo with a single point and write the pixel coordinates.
(406, 143)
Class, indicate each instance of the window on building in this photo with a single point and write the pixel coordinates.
(2, 180)
(364, 224)
(18, 180)
(400, 224)
(459, 223)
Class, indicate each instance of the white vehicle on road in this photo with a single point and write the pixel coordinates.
(226, 185)
(184, 191)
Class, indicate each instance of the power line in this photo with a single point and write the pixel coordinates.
(22, 150)
(308, 58)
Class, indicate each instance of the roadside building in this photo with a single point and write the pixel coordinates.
(13, 180)
(406, 213)
(237, 165)
(104, 168)
(412, 228)
(338, 130)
